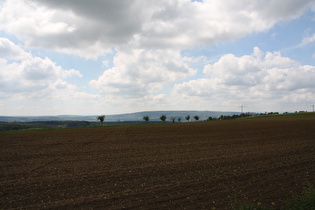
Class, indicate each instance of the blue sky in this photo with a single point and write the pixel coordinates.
(107, 57)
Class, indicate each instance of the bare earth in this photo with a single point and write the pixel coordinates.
(172, 165)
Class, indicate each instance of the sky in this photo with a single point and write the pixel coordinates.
(112, 57)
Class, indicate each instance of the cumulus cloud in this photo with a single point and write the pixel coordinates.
(139, 73)
(23, 73)
(37, 86)
(185, 24)
(92, 29)
(149, 37)
(11, 51)
(252, 79)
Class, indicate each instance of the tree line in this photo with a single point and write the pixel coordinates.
(163, 117)
(197, 118)
(174, 119)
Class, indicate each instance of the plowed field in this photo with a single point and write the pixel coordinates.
(171, 165)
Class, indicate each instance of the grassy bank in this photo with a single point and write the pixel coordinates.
(305, 201)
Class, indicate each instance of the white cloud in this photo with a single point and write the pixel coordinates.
(139, 73)
(23, 73)
(252, 79)
(246, 70)
(56, 29)
(307, 40)
(11, 51)
(92, 29)
(185, 24)
(37, 86)
(149, 37)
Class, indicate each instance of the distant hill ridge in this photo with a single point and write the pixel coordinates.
(137, 116)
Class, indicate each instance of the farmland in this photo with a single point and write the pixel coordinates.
(170, 165)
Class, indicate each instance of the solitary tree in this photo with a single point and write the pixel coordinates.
(101, 118)
(173, 119)
(179, 119)
(163, 118)
(196, 117)
(187, 117)
(146, 118)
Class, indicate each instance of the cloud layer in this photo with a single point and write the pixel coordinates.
(25, 75)
(252, 79)
(148, 40)
(69, 26)
(143, 72)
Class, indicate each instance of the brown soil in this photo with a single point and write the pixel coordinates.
(171, 165)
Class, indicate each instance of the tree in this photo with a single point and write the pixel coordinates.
(101, 118)
(163, 118)
(179, 119)
(210, 118)
(146, 118)
(187, 117)
(173, 119)
(196, 117)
